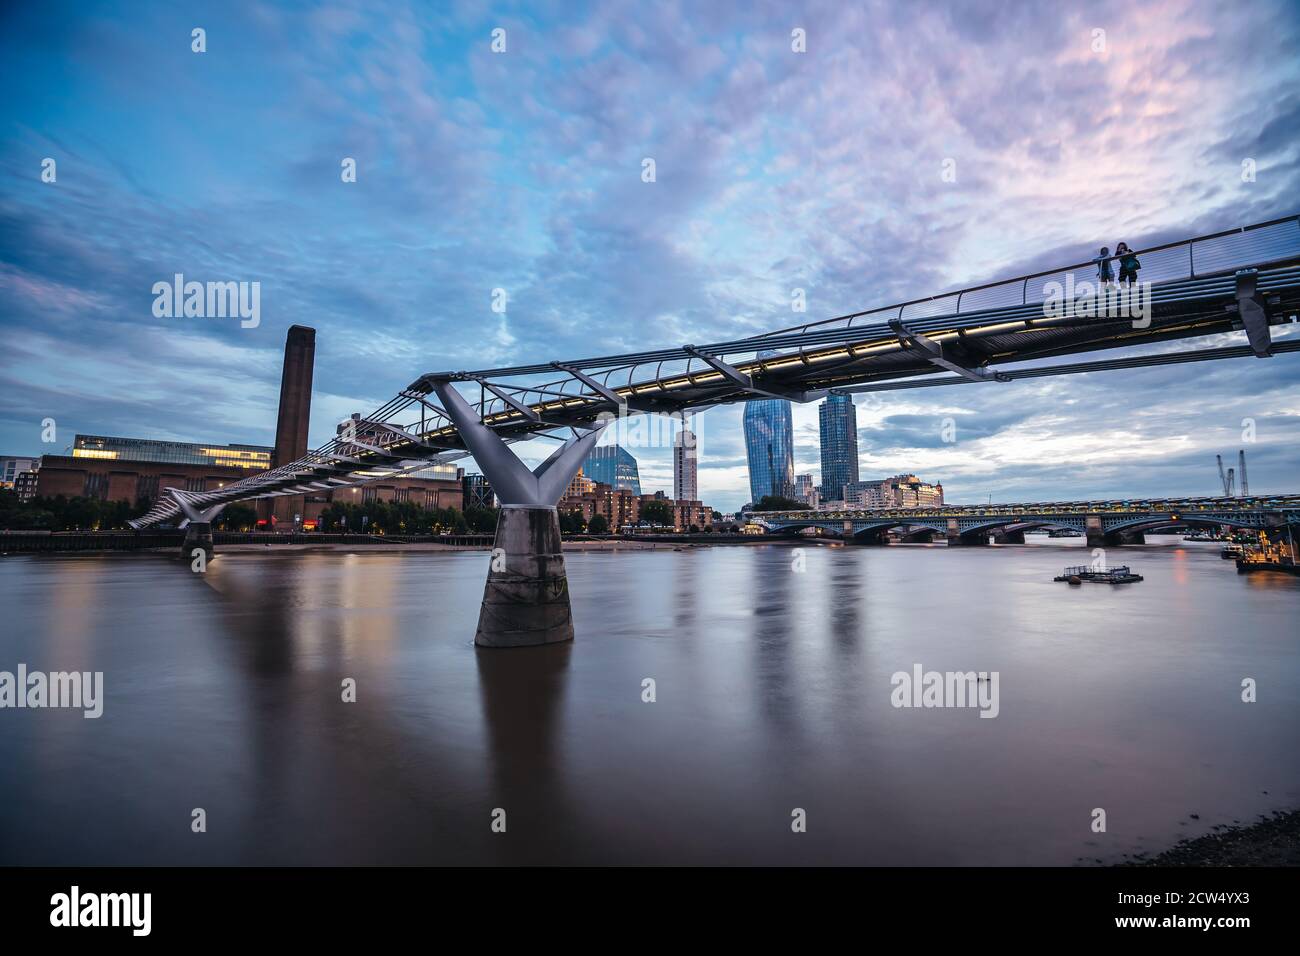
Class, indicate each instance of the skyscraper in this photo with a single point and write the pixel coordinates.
(685, 466)
(769, 446)
(613, 466)
(805, 491)
(839, 441)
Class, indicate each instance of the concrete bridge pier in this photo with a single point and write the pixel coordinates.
(1009, 537)
(956, 539)
(198, 534)
(1114, 539)
(198, 525)
(876, 537)
(526, 597)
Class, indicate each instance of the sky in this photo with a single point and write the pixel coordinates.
(522, 170)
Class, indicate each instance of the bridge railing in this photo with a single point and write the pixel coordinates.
(1277, 240)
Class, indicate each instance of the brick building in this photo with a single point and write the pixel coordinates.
(139, 470)
(620, 507)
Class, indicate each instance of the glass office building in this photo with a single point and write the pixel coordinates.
(613, 466)
(253, 457)
(769, 446)
(839, 441)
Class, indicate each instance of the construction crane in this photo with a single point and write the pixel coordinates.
(1226, 480)
(1241, 472)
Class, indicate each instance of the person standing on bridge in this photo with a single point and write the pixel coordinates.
(1104, 274)
(1128, 264)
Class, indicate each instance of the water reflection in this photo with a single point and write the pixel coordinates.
(523, 694)
(224, 691)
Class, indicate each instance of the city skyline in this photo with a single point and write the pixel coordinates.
(396, 290)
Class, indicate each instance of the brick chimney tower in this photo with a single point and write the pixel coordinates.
(295, 415)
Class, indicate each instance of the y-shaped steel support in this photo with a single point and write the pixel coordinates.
(526, 600)
(197, 523)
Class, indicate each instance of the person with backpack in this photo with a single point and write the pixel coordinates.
(1128, 264)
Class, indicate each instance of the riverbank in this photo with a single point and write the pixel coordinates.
(594, 546)
(1274, 841)
(169, 541)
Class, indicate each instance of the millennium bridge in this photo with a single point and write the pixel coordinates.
(1244, 280)
(1104, 523)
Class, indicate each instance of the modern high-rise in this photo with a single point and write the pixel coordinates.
(769, 448)
(685, 466)
(839, 441)
(805, 491)
(613, 466)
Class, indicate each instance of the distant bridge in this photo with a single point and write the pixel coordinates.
(1108, 523)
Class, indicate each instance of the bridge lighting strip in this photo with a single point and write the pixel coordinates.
(1137, 361)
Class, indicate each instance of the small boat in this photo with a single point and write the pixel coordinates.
(1231, 553)
(1083, 572)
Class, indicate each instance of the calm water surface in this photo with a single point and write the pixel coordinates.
(223, 692)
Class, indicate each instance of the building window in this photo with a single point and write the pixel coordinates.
(194, 484)
(368, 494)
(402, 494)
(96, 485)
(146, 488)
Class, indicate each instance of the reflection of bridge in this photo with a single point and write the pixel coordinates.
(1245, 280)
(1103, 522)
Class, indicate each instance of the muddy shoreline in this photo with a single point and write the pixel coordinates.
(1272, 841)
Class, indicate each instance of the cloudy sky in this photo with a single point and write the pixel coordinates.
(521, 170)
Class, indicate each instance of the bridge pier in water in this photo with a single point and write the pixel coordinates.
(526, 597)
(1009, 537)
(870, 536)
(1114, 539)
(958, 539)
(198, 525)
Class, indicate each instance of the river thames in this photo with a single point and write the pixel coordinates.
(772, 693)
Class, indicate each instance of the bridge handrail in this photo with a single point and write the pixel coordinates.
(1024, 279)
